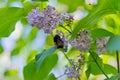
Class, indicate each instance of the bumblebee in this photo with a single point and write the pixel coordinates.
(58, 41)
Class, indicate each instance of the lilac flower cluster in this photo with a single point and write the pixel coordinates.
(82, 41)
(101, 44)
(66, 17)
(72, 71)
(48, 19)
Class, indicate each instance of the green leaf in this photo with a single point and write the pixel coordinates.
(108, 69)
(39, 0)
(97, 33)
(22, 0)
(51, 77)
(31, 55)
(72, 6)
(110, 22)
(115, 77)
(32, 35)
(94, 69)
(8, 19)
(44, 55)
(38, 56)
(49, 41)
(31, 72)
(105, 7)
(1, 49)
(88, 71)
(19, 45)
(11, 72)
(48, 64)
(28, 6)
(113, 43)
(72, 51)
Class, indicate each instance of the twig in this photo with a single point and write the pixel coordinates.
(60, 76)
(67, 58)
(117, 58)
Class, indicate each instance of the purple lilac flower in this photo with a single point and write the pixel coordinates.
(35, 17)
(72, 71)
(48, 19)
(51, 19)
(82, 41)
(101, 44)
(65, 17)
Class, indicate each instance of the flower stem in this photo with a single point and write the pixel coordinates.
(98, 65)
(67, 58)
(66, 29)
(60, 76)
(117, 58)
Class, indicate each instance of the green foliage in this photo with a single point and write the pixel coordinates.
(97, 33)
(108, 69)
(32, 55)
(72, 51)
(95, 60)
(44, 55)
(74, 6)
(40, 68)
(39, 0)
(28, 6)
(110, 22)
(32, 35)
(8, 21)
(96, 63)
(1, 49)
(47, 66)
(11, 72)
(32, 72)
(49, 41)
(51, 77)
(19, 45)
(113, 43)
(105, 7)
(115, 77)
(22, 42)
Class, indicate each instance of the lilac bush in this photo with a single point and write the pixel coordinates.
(49, 19)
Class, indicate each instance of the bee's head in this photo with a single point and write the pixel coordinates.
(58, 41)
(56, 38)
